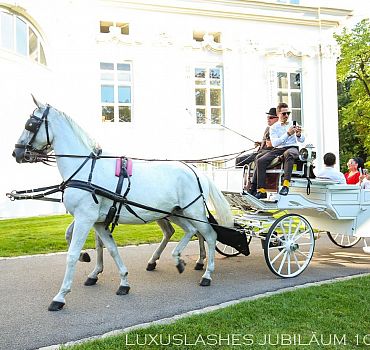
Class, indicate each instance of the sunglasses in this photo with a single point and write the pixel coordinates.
(286, 113)
(272, 117)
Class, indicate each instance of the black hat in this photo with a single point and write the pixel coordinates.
(272, 111)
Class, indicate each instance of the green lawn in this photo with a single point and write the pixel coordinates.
(331, 316)
(37, 235)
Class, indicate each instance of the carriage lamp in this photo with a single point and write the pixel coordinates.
(307, 153)
(303, 154)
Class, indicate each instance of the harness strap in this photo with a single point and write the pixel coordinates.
(196, 176)
(45, 117)
(119, 198)
(38, 196)
(93, 163)
(125, 174)
(192, 202)
(309, 183)
(130, 210)
(113, 214)
(201, 193)
(64, 183)
(36, 189)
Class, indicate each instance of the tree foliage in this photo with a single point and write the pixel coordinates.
(353, 75)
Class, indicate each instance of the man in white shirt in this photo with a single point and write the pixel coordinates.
(284, 137)
(329, 172)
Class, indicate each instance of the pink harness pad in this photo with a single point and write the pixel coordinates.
(128, 166)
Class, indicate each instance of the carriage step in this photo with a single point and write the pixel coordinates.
(247, 201)
(262, 204)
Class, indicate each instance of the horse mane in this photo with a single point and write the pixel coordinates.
(86, 139)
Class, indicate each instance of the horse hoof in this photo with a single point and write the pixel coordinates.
(205, 282)
(199, 266)
(151, 266)
(56, 306)
(90, 281)
(123, 290)
(84, 257)
(181, 266)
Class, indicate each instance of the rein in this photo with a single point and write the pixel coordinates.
(202, 160)
(95, 190)
(33, 125)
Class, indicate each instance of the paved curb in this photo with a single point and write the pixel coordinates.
(207, 309)
(88, 250)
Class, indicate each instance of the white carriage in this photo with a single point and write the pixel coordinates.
(286, 224)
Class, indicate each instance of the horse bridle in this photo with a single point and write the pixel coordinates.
(33, 125)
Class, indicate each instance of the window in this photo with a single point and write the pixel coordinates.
(17, 35)
(116, 27)
(208, 89)
(115, 88)
(289, 91)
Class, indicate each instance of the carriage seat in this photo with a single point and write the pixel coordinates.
(274, 173)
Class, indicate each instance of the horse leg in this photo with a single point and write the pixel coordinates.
(168, 232)
(190, 231)
(92, 278)
(210, 236)
(84, 256)
(202, 253)
(80, 231)
(111, 245)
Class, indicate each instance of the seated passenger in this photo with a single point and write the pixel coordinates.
(329, 172)
(352, 175)
(284, 138)
(264, 145)
(364, 180)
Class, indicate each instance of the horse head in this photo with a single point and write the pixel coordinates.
(35, 141)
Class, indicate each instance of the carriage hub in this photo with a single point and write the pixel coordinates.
(292, 246)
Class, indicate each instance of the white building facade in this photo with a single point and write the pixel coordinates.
(162, 79)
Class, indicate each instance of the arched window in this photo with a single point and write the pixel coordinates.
(18, 35)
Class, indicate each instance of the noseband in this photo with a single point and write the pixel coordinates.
(33, 125)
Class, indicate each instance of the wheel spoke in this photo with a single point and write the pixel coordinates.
(277, 247)
(289, 245)
(277, 237)
(283, 262)
(296, 230)
(296, 260)
(277, 256)
(283, 229)
(301, 235)
(300, 252)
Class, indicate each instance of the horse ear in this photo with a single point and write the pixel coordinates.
(37, 103)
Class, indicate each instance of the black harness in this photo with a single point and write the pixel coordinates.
(33, 125)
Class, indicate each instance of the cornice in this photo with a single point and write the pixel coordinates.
(243, 10)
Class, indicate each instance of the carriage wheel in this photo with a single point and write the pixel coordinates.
(228, 251)
(289, 245)
(344, 241)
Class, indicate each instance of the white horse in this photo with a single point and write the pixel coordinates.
(171, 187)
(167, 230)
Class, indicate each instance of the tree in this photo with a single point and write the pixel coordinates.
(353, 75)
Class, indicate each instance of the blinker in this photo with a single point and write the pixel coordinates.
(33, 124)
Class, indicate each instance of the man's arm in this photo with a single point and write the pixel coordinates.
(264, 138)
(277, 140)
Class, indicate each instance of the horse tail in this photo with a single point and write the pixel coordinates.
(221, 205)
